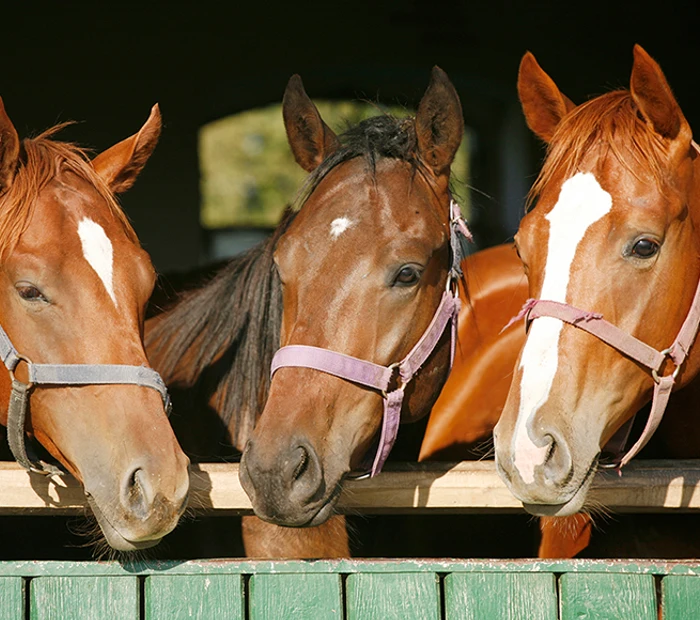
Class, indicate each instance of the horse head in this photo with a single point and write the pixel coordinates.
(613, 237)
(74, 284)
(364, 265)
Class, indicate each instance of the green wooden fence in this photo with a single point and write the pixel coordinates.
(350, 590)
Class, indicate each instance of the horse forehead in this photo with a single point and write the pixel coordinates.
(72, 209)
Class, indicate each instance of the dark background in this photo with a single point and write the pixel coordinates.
(107, 63)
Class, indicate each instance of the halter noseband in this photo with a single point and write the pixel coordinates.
(390, 381)
(61, 375)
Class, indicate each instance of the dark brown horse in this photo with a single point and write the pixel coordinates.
(364, 266)
(74, 284)
(373, 233)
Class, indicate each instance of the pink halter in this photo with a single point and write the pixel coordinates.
(633, 348)
(390, 380)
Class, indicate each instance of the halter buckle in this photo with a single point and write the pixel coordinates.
(654, 371)
(396, 382)
(28, 362)
(451, 286)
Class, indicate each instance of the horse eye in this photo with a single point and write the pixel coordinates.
(29, 292)
(407, 276)
(645, 248)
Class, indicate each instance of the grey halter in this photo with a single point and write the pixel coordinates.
(61, 375)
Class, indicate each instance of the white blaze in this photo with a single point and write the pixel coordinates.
(339, 226)
(97, 250)
(582, 202)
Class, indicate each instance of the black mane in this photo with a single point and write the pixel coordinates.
(220, 339)
(375, 138)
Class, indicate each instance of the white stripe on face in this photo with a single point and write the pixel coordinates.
(339, 226)
(582, 202)
(97, 250)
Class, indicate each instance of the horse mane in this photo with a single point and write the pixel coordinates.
(234, 319)
(40, 161)
(233, 322)
(611, 122)
(378, 137)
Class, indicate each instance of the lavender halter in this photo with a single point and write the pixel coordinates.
(390, 381)
(61, 375)
(635, 349)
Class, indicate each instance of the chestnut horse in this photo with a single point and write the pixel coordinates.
(373, 234)
(75, 283)
(614, 233)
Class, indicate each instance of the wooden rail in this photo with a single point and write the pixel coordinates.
(644, 486)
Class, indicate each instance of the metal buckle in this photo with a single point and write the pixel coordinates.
(28, 362)
(451, 285)
(395, 380)
(654, 371)
(359, 476)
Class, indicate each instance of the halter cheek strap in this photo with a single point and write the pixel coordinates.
(61, 375)
(635, 349)
(390, 380)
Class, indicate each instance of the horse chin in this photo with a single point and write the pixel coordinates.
(571, 506)
(310, 518)
(113, 537)
(322, 515)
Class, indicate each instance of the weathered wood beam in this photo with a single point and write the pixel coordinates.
(644, 486)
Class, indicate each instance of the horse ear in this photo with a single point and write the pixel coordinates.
(310, 139)
(544, 105)
(439, 123)
(120, 164)
(653, 96)
(9, 149)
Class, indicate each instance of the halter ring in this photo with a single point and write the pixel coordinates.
(28, 362)
(655, 373)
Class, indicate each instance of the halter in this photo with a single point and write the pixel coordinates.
(390, 381)
(632, 347)
(61, 375)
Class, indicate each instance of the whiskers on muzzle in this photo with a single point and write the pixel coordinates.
(87, 528)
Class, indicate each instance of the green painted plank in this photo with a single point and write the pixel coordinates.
(295, 597)
(500, 596)
(250, 567)
(177, 597)
(392, 596)
(607, 596)
(64, 598)
(680, 597)
(11, 598)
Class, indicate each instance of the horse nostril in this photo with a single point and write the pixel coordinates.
(558, 464)
(137, 493)
(306, 472)
(302, 466)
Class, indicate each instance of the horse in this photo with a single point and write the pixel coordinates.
(611, 253)
(75, 283)
(364, 268)
(371, 230)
